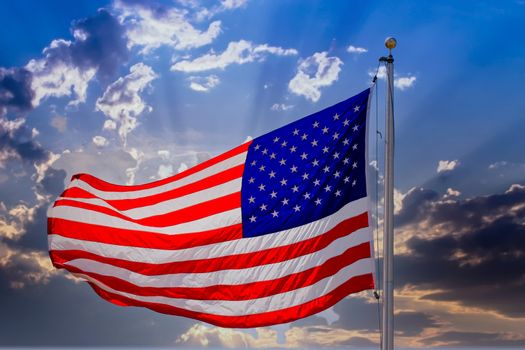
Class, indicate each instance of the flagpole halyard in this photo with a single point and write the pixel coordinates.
(388, 238)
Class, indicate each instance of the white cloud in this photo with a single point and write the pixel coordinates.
(280, 107)
(59, 123)
(100, 141)
(149, 30)
(313, 73)
(182, 167)
(356, 49)
(14, 220)
(400, 82)
(447, 165)
(233, 4)
(57, 78)
(452, 193)
(109, 125)
(203, 84)
(121, 101)
(164, 171)
(237, 52)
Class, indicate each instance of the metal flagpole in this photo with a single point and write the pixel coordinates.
(388, 238)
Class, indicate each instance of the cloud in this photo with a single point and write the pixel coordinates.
(280, 107)
(204, 84)
(15, 90)
(447, 165)
(314, 73)
(356, 49)
(100, 141)
(150, 28)
(237, 52)
(122, 102)
(400, 82)
(476, 339)
(68, 66)
(16, 142)
(465, 251)
(59, 123)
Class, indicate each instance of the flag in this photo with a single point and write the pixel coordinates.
(274, 230)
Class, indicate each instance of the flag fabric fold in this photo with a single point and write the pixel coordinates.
(271, 231)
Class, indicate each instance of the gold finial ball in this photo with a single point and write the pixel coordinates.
(390, 43)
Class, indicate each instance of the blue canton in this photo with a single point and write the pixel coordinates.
(306, 170)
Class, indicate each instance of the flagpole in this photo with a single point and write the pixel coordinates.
(388, 238)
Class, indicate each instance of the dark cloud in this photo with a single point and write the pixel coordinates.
(479, 260)
(475, 339)
(15, 90)
(18, 142)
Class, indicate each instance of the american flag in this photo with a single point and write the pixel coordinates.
(274, 230)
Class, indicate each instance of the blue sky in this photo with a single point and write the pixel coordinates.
(199, 78)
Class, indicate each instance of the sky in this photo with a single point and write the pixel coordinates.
(134, 91)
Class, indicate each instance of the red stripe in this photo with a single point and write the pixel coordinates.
(106, 186)
(191, 213)
(238, 261)
(353, 285)
(141, 239)
(245, 291)
(126, 204)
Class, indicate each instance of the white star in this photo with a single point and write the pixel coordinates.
(262, 168)
(272, 156)
(273, 194)
(295, 189)
(346, 179)
(276, 139)
(297, 208)
(317, 182)
(326, 169)
(251, 199)
(265, 151)
(318, 201)
(356, 127)
(346, 122)
(345, 161)
(285, 201)
(328, 188)
(293, 169)
(325, 149)
(354, 165)
(354, 147)
(335, 136)
(354, 182)
(262, 187)
(253, 163)
(304, 156)
(293, 149)
(252, 180)
(336, 155)
(272, 174)
(275, 213)
(337, 174)
(253, 218)
(337, 193)
(305, 136)
(346, 142)
(305, 176)
(314, 143)
(284, 182)
(296, 132)
(356, 108)
(263, 207)
(316, 124)
(257, 147)
(306, 195)
(284, 143)
(315, 162)
(336, 116)
(282, 161)
(325, 130)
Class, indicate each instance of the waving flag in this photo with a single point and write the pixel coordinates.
(269, 232)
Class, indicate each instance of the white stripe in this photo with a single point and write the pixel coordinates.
(226, 218)
(255, 306)
(170, 205)
(229, 277)
(132, 194)
(244, 245)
